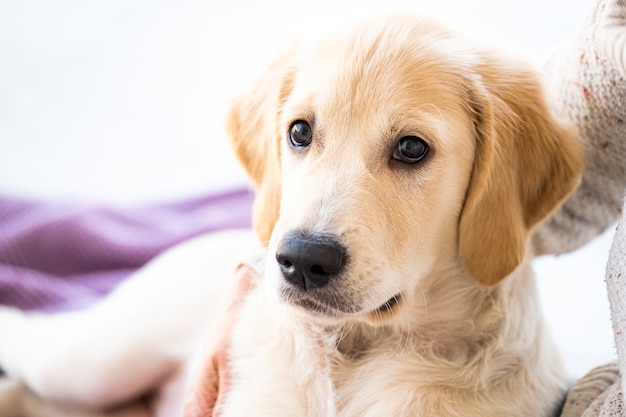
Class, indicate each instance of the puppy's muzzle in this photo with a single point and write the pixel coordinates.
(310, 261)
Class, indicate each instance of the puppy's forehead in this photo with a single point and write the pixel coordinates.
(396, 67)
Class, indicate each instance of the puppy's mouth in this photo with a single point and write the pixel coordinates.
(388, 308)
(324, 305)
(334, 307)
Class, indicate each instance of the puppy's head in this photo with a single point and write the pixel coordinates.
(393, 152)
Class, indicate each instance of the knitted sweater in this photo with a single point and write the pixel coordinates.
(587, 81)
(600, 392)
(589, 88)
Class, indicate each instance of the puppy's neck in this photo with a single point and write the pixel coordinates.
(448, 316)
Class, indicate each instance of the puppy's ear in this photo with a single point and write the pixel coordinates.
(526, 163)
(253, 125)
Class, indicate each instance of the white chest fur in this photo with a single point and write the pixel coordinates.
(277, 368)
(283, 365)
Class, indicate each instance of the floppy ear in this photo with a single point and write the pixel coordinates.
(253, 125)
(526, 163)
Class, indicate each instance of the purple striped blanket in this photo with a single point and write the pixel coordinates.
(58, 256)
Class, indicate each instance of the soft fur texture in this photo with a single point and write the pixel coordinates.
(441, 235)
(435, 311)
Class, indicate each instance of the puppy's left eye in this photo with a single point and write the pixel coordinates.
(300, 134)
(411, 149)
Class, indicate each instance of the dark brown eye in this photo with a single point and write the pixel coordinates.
(300, 134)
(411, 149)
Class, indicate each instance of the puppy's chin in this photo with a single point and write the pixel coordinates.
(318, 303)
(312, 310)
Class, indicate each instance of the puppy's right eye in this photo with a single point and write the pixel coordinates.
(300, 134)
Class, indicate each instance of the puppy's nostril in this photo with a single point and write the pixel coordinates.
(286, 263)
(318, 269)
(309, 261)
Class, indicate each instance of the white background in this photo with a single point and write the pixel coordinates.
(122, 102)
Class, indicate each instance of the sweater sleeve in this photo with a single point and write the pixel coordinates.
(587, 83)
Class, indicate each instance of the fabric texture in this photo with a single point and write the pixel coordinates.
(588, 81)
(60, 256)
(600, 392)
(589, 89)
(591, 391)
(616, 287)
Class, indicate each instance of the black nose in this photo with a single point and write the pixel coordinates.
(309, 261)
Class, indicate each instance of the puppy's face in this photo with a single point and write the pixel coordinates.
(386, 155)
(376, 158)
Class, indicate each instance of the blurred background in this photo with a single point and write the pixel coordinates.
(122, 103)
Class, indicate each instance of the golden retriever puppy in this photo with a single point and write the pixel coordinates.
(400, 169)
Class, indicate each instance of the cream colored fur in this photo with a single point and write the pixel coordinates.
(447, 237)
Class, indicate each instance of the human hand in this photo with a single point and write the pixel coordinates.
(210, 383)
